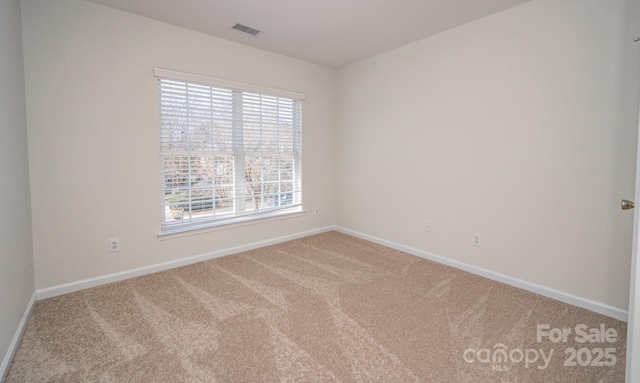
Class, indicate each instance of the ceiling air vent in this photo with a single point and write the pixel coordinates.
(245, 29)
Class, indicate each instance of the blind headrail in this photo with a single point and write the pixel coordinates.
(169, 74)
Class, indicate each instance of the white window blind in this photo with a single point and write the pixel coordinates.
(227, 153)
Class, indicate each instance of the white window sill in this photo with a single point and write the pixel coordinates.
(213, 226)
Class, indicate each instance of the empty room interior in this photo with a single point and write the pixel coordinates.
(439, 199)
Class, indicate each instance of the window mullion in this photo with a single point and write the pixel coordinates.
(213, 153)
(297, 146)
(238, 153)
(189, 163)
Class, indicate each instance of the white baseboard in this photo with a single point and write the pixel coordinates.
(13, 347)
(116, 277)
(575, 300)
(571, 299)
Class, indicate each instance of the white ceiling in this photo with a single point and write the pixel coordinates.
(327, 32)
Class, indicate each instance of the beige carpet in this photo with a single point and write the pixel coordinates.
(329, 308)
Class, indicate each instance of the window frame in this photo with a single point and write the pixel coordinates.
(235, 218)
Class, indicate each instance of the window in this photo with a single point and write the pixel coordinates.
(229, 152)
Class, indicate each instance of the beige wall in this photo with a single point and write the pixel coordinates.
(513, 126)
(16, 260)
(93, 136)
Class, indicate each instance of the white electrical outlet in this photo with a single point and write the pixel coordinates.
(476, 239)
(317, 211)
(114, 245)
(428, 226)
